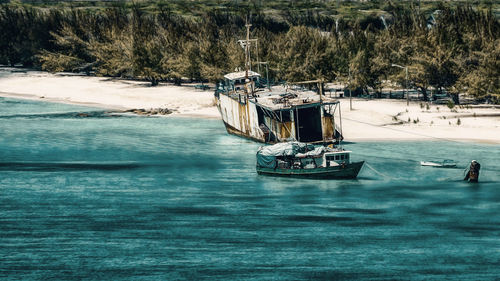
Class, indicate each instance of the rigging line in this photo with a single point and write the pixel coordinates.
(373, 169)
(403, 131)
(378, 156)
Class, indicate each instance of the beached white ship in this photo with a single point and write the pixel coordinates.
(277, 114)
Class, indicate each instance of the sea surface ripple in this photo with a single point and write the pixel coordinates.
(103, 197)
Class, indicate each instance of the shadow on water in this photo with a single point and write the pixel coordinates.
(58, 166)
(8, 101)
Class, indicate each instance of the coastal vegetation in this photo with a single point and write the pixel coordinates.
(444, 46)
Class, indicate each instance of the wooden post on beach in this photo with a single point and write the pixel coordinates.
(320, 85)
(406, 86)
(406, 83)
(350, 94)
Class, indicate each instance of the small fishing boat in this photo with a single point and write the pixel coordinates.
(443, 164)
(296, 159)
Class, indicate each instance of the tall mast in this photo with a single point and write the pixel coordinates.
(247, 51)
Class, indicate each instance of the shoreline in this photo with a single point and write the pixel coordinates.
(471, 141)
(370, 120)
(201, 116)
(105, 92)
(55, 100)
(101, 106)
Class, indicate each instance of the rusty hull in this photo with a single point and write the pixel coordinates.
(240, 118)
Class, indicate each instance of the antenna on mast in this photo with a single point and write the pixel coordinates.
(247, 50)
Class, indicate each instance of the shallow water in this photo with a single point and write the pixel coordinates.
(107, 197)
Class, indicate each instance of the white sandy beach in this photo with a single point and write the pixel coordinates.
(375, 120)
(369, 119)
(106, 92)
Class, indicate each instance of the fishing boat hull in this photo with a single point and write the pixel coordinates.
(348, 171)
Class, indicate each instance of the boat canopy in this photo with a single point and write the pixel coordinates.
(318, 151)
(266, 155)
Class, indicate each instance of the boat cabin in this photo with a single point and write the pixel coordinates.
(327, 159)
(336, 158)
(235, 81)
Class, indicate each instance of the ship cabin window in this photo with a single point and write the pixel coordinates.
(338, 157)
(285, 115)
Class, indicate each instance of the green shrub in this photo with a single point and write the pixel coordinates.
(450, 104)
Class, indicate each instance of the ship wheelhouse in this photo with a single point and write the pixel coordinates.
(336, 158)
(237, 81)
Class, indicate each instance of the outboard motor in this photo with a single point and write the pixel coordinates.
(473, 173)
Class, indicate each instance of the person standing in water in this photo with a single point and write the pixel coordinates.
(473, 173)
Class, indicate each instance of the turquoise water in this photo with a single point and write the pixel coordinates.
(141, 198)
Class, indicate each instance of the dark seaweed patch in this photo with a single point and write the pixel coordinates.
(55, 166)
